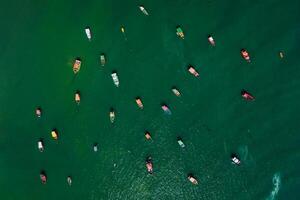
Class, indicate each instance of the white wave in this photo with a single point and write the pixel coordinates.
(276, 182)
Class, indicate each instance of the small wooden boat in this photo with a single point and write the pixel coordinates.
(245, 55)
(88, 33)
(40, 145)
(179, 32)
(115, 79)
(149, 165)
(43, 177)
(148, 135)
(112, 116)
(77, 97)
(211, 40)
(180, 142)
(143, 10)
(192, 179)
(76, 66)
(193, 71)
(176, 91)
(102, 59)
(54, 134)
(38, 112)
(246, 95)
(69, 180)
(139, 103)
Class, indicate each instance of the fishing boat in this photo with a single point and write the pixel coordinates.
(115, 79)
(38, 112)
(112, 116)
(235, 160)
(148, 135)
(193, 71)
(166, 109)
(180, 142)
(139, 103)
(77, 97)
(43, 177)
(245, 55)
(246, 95)
(102, 59)
(69, 180)
(88, 33)
(176, 91)
(95, 147)
(179, 32)
(40, 145)
(143, 10)
(192, 179)
(211, 40)
(54, 134)
(76, 66)
(149, 165)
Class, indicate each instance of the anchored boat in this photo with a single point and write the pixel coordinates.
(54, 134)
(211, 40)
(115, 79)
(235, 160)
(38, 112)
(40, 145)
(95, 147)
(246, 95)
(76, 66)
(77, 97)
(192, 179)
(179, 32)
(112, 116)
(43, 177)
(69, 180)
(139, 103)
(148, 135)
(176, 91)
(149, 165)
(166, 109)
(245, 55)
(143, 10)
(88, 33)
(193, 71)
(102, 59)
(180, 142)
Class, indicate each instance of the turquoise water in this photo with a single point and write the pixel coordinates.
(39, 41)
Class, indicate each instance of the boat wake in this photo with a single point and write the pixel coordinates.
(276, 182)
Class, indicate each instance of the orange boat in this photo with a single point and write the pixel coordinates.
(76, 66)
(139, 102)
(77, 97)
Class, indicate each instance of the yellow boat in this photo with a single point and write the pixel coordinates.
(76, 66)
(54, 134)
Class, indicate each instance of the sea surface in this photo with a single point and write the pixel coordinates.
(39, 41)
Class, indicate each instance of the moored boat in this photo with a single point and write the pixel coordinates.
(192, 179)
(281, 55)
(149, 165)
(143, 10)
(95, 147)
(112, 116)
(43, 177)
(235, 159)
(76, 66)
(245, 55)
(102, 59)
(211, 40)
(88, 33)
(179, 32)
(54, 134)
(176, 91)
(193, 71)
(148, 135)
(166, 109)
(139, 102)
(38, 112)
(69, 180)
(246, 95)
(41, 145)
(180, 142)
(115, 79)
(77, 97)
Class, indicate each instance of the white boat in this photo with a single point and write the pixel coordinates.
(95, 147)
(180, 142)
(102, 59)
(235, 160)
(211, 40)
(115, 79)
(40, 146)
(88, 33)
(143, 10)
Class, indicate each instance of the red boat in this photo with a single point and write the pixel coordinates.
(245, 55)
(149, 165)
(43, 177)
(246, 95)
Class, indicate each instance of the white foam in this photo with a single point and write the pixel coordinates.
(276, 182)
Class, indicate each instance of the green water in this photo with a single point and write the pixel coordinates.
(38, 43)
